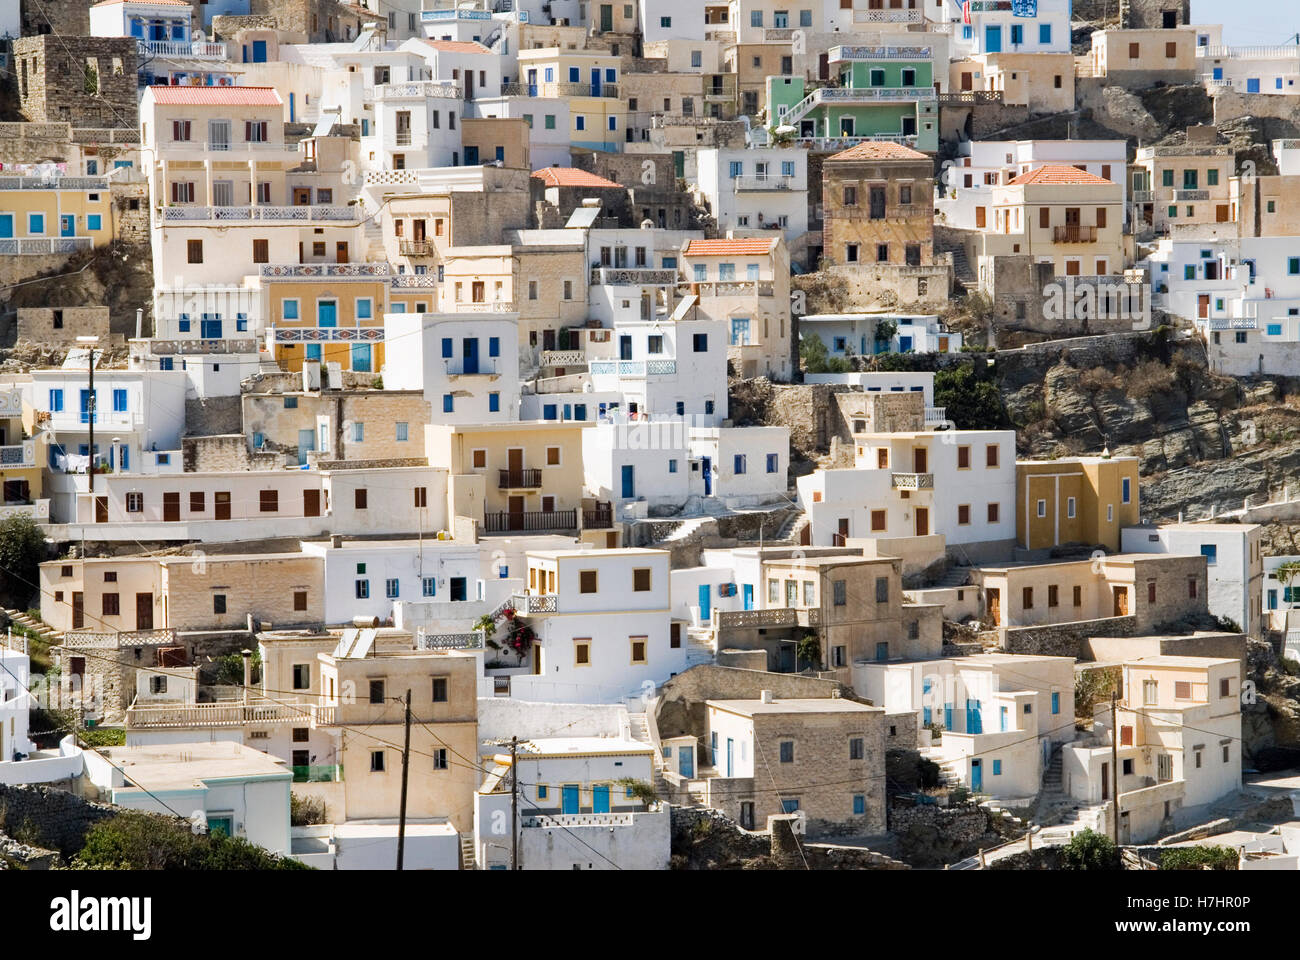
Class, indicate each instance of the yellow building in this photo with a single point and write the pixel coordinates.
(331, 312)
(22, 456)
(588, 80)
(513, 476)
(46, 214)
(1075, 500)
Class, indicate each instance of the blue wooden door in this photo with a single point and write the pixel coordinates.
(259, 51)
(748, 591)
(706, 466)
(595, 82)
(974, 724)
(600, 798)
(992, 39)
(327, 313)
(976, 775)
(67, 225)
(686, 761)
(1004, 719)
(6, 225)
(731, 745)
(706, 611)
(629, 481)
(904, 344)
(569, 798)
(361, 359)
(947, 716)
(469, 347)
(1252, 85)
(306, 442)
(293, 116)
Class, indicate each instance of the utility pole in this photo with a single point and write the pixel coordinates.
(406, 764)
(1114, 766)
(514, 803)
(90, 411)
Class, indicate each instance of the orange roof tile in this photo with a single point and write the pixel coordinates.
(1058, 173)
(878, 150)
(573, 177)
(217, 96)
(740, 247)
(458, 46)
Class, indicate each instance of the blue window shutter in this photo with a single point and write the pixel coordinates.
(448, 403)
(446, 347)
(494, 346)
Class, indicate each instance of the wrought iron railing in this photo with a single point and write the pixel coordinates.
(510, 521)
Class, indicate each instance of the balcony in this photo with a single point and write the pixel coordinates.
(1233, 323)
(632, 277)
(19, 454)
(598, 519)
(633, 368)
(230, 714)
(449, 14)
(934, 415)
(330, 271)
(1074, 233)
(564, 358)
(190, 50)
(44, 246)
(38, 510)
(912, 481)
(483, 306)
(301, 213)
(415, 249)
(728, 288)
(418, 90)
(414, 281)
(835, 144)
(1143, 196)
(162, 348)
(318, 774)
(842, 53)
(873, 94)
(533, 604)
(479, 368)
(1187, 196)
(560, 90)
(527, 479)
(764, 184)
(887, 16)
(448, 641)
(530, 521)
(53, 183)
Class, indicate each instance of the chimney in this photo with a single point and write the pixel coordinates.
(248, 670)
(139, 323)
(765, 696)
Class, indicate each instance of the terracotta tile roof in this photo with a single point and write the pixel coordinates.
(573, 177)
(742, 247)
(458, 46)
(882, 150)
(217, 96)
(1058, 173)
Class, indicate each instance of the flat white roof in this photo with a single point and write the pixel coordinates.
(559, 746)
(184, 766)
(749, 708)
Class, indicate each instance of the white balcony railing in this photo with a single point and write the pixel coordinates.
(56, 182)
(300, 214)
(842, 53)
(43, 246)
(193, 50)
(418, 89)
(38, 510)
(18, 454)
(759, 184)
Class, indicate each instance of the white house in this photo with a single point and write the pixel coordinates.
(578, 807)
(959, 485)
(219, 785)
(1252, 69)
(467, 366)
(1001, 714)
(213, 368)
(886, 381)
(15, 700)
(860, 334)
(602, 625)
(1020, 26)
(670, 19)
(1234, 564)
(742, 466)
(755, 188)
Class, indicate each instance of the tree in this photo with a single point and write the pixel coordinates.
(1199, 858)
(817, 359)
(885, 330)
(1090, 850)
(971, 402)
(22, 548)
(1287, 573)
(808, 650)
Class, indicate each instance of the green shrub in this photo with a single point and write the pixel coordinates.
(305, 811)
(1199, 858)
(1090, 850)
(95, 737)
(139, 841)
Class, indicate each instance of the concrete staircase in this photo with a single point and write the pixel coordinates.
(699, 646)
(954, 577)
(638, 727)
(373, 235)
(791, 527)
(48, 634)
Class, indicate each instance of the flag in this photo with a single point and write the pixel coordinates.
(965, 12)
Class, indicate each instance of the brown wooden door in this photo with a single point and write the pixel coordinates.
(920, 460)
(1203, 305)
(311, 503)
(1072, 216)
(993, 600)
(301, 196)
(144, 611)
(515, 464)
(805, 535)
(1121, 601)
(221, 505)
(417, 231)
(842, 534)
(1071, 268)
(967, 81)
(1221, 213)
(171, 507)
(78, 611)
(101, 509)
(341, 252)
(922, 521)
(1105, 781)
(515, 508)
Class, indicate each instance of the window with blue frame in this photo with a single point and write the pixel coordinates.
(670, 263)
(772, 462)
(165, 363)
(447, 348)
(241, 322)
(85, 407)
(966, 32)
(726, 272)
(859, 804)
(1056, 702)
(575, 75)
(735, 168)
(290, 309)
(787, 168)
(580, 123)
(579, 411)
(1211, 554)
(1275, 329)
(258, 440)
(494, 403)
(700, 272)
(610, 75)
(756, 18)
(390, 589)
(613, 123)
(805, 18)
(35, 223)
(549, 411)
(448, 403)
(56, 401)
(364, 308)
(1044, 33)
(290, 403)
(124, 457)
(358, 432)
(119, 400)
(94, 221)
(162, 459)
(1126, 489)
(428, 586)
(494, 346)
(672, 466)
(1293, 266)
(313, 351)
(738, 464)
(997, 768)
(1017, 33)
(403, 431)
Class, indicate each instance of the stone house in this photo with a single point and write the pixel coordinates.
(87, 81)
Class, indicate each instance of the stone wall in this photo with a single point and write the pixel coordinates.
(1020, 290)
(224, 452)
(1277, 114)
(807, 410)
(55, 80)
(70, 18)
(978, 121)
(206, 416)
(1065, 639)
(893, 287)
(55, 819)
(880, 412)
(680, 708)
(225, 27)
(62, 325)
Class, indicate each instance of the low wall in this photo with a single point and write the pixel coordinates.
(1064, 639)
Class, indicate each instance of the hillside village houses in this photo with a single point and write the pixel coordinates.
(461, 359)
